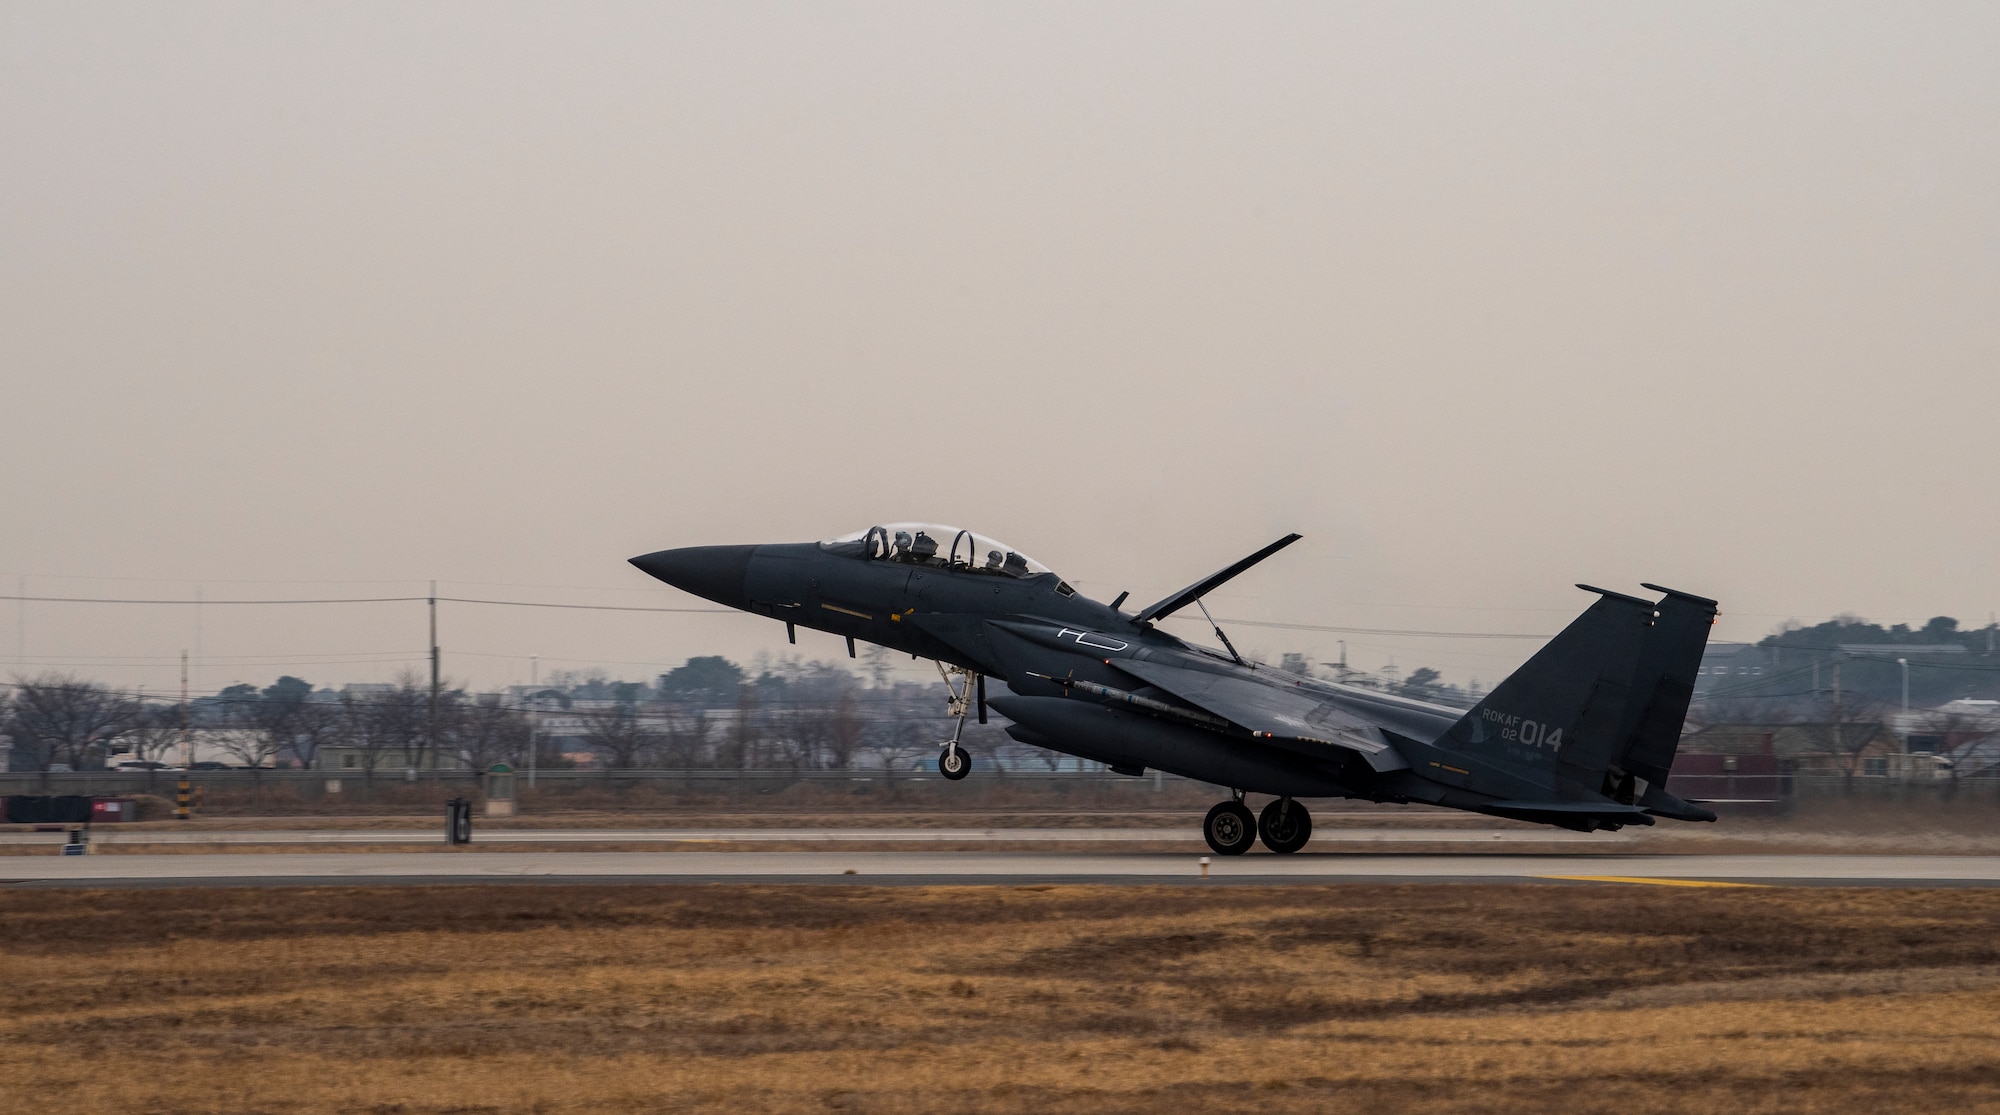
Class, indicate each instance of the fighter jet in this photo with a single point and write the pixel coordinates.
(1581, 737)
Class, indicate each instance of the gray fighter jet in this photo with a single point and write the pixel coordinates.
(1582, 736)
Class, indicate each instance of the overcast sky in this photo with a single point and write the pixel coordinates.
(1483, 300)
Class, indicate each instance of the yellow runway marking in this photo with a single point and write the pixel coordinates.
(1646, 881)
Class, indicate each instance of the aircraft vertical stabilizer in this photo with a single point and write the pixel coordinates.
(1546, 735)
(1662, 687)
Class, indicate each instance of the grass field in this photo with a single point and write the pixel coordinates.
(1573, 998)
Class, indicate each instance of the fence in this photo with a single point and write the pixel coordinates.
(324, 792)
(243, 791)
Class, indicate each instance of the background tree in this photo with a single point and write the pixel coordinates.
(904, 741)
(359, 724)
(709, 681)
(686, 744)
(401, 712)
(486, 732)
(844, 732)
(155, 734)
(64, 719)
(315, 724)
(618, 734)
(1421, 683)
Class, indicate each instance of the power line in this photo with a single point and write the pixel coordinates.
(203, 602)
(702, 611)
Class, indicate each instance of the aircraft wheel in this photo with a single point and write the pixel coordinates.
(1229, 829)
(1285, 829)
(954, 763)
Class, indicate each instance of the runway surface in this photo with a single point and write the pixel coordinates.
(1190, 834)
(366, 868)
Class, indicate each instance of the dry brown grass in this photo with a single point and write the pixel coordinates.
(1042, 999)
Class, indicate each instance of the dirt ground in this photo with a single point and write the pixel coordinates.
(1579, 998)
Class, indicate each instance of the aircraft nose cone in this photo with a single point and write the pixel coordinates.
(712, 572)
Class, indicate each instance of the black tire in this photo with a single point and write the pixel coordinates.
(954, 763)
(1285, 830)
(1229, 829)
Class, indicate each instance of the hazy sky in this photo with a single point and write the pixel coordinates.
(1483, 299)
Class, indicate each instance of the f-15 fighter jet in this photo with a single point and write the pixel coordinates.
(1582, 736)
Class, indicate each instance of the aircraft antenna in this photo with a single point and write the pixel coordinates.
(1218, 631)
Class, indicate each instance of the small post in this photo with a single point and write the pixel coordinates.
(458, 822)
(1204, 867)
(430, 722)
(181, 793)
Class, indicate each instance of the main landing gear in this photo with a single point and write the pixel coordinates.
(1285, 826)
(955, 762)
(1229, 828)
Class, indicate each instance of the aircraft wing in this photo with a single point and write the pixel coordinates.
(1290, 717)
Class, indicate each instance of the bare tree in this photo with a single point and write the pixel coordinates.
(906, 738)
(686, 743)
(618, 733)
(315, 724)
(802, 732)
(64, 719)
(843, 732)
(487, 732)
(359, 724)
(246, 741)
(1851, 728)
(400, 715)
(155, 734)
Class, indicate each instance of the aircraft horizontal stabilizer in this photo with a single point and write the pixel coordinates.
(1660, 803)
(1570, 814)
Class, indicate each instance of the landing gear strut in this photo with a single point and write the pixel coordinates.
(1229, 828)
(1285, 826)
(955, 762)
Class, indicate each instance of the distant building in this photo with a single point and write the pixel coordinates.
(1823, 748)
(1734, 667)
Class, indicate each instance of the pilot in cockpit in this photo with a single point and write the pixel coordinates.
(901, 550)
(993, 560)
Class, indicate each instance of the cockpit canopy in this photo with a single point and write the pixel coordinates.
(937, 545)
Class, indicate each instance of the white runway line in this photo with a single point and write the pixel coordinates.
(1191, 833)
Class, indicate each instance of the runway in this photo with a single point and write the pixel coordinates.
(882, 868)
(998, 835)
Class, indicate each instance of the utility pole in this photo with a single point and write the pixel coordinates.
(1905, 724)
(534, 713)
(1837, 748)
(430, 725)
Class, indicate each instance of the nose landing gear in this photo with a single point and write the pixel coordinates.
(955, 762)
